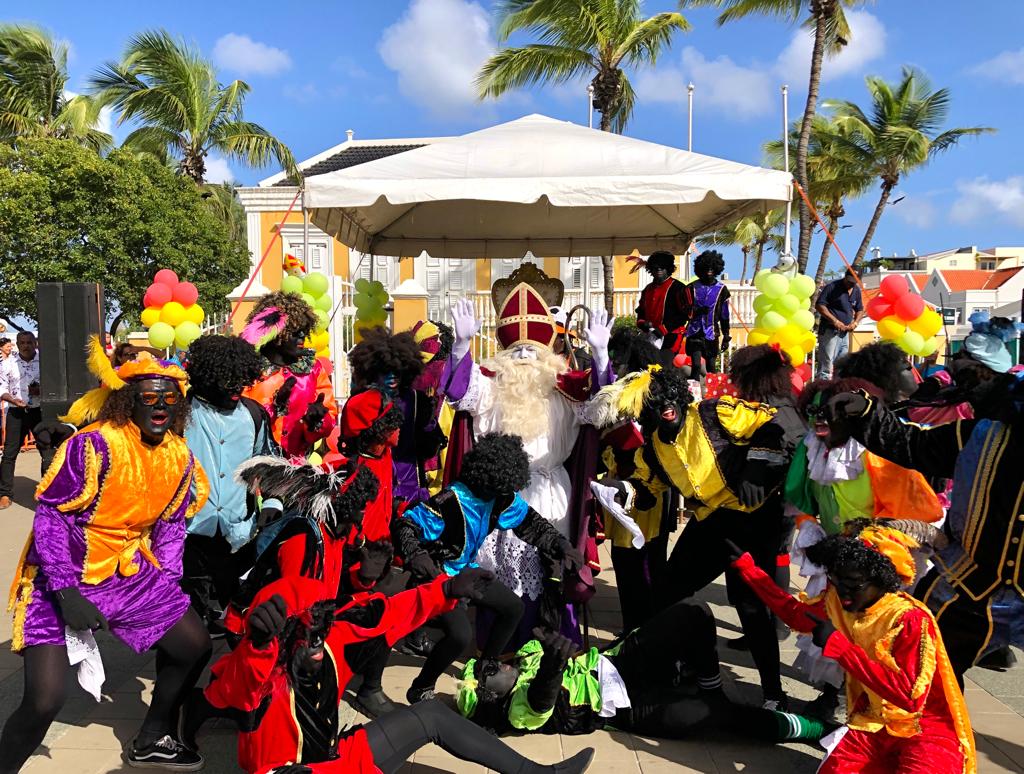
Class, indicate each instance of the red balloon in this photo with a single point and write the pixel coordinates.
(681, 360)
(894, 286)
(165, 277)
(797, 381)
(185, 293)
(157, 295)
(879, 307)
(909, 307)
(804, 370)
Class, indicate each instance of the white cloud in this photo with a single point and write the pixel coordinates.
(217, 170)
(867, 43)
(1007, 67)
(745, 91)
(982, 199)
(243, 55)
(303, 94)
(915, 211)
(436, 49)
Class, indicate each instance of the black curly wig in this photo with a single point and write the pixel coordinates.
(301, 629)
(709, 259)
(222, 364)
(496, 465)
(668, 385)
(837, 552)
(829, 388)
(380, 352)
(880, 363)
(760, 373)
(631, 349)
(660, 259)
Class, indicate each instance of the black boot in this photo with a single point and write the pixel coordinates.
(577, 764)
(373, 703)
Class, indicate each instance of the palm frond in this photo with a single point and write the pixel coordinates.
(513, 68)
(624, 107)
(252, 144)
(647, 39)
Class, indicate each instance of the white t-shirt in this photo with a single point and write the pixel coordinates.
(16, 375)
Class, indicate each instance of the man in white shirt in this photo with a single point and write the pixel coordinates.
(19, 389)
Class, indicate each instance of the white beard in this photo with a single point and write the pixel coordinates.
(524, 391)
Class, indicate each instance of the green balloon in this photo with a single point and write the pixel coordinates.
(787, 304)
(772, 321)
(362, 285)
(759, 278)
(321, 321)
(291, 284)
(324, 303)
(381, 297)
(774, 285)
(376, 286)
(803, 319)
(801, 286)
(762, 304)
(161, 335)
(910, 342)
(185, 333)
(309, 299)
(361, 301)
(315, 284)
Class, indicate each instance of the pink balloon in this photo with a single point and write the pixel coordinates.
(894, 286)
(879, 307)
(909, 307)
(165, 277)
(157, 295)
(796, 381)
(185, 293)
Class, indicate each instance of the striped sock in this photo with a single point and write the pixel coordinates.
(792, 726)
(710, 683)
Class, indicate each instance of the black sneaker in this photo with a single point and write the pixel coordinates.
(165, 753)
(374, 703)
(417, 643)
(415, 695)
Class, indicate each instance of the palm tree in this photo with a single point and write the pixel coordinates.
(900, 134)
(833, 176)
(223, 202)
(595, 38)
(184, 111)
(831, 33)
(753, 234)
(34, 100)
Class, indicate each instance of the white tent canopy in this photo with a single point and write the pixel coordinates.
(541, 185)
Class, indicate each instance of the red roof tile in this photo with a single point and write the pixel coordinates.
(976, 279)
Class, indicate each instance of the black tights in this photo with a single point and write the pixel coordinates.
(396, 736)
(181, 655)
(701, 555)
(508, 609)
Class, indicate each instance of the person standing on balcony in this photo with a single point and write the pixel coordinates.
(707, 334)
(665, 304)
(841, 309)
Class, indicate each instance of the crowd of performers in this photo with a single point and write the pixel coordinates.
(453, 508)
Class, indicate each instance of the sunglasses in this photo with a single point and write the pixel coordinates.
(169, 398)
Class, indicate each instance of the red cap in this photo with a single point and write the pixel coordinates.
(361, 411)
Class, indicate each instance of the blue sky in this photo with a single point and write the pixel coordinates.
(404, 69)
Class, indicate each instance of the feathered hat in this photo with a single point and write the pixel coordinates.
(623, 398)
(331, 498)
(264, 327)
(988, 338)
(144, 366)
(895, 546)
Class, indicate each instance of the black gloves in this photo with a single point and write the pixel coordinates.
(282, 396)
(846, 405)
(78, 612)
(571, 557)
(751, 494)
(469, 584)
(50, 435)
(823, 629)
(267, 621)
(422, 566)
(557, 650)
(374, 560)
(315, 413)
(726, 338)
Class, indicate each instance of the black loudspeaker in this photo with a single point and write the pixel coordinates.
(69, 313)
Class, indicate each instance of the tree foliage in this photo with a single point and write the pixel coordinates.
(68, 215)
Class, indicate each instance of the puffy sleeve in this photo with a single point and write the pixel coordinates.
(168, 537)
(241, 678)
(792, 611)
(932, 451)
(70, 486)
(462, 383)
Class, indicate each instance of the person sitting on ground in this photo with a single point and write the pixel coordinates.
(284, 683)
(445, 533)
(906, 712)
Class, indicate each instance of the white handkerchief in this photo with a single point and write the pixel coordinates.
(606, 496)
(83, 650)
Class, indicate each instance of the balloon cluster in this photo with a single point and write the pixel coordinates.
(904, 318)
(313, 289)
(171, 312)
(369, 300)
(784, 317)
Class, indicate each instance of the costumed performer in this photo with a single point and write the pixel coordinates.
(665, 305)
(284, 683)
(296, 385)
(728, 456)
(625, 687)
(106, 552)
(975, 590)
(445, 533)
(527, 390)
(707, 333)
(224, 430)
(906, 713)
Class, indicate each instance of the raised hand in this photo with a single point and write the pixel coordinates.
(466, 326)
(267, 621)
(846, 405)
(597, 334)
(315, 413)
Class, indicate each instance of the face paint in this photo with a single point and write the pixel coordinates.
(501, 682)
(856, 593)
(908, 384)
(308, 658)
(670, 419)
(659, 274)
(156, 406)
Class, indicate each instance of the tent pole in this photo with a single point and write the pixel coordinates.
(689, 117)
(785, 157)
(590, 105)
(305, 229)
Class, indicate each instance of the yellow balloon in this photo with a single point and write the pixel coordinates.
(788, 336)
(758, 336)
(194, 313)
(891, 327)
(928, 324)
(150, 315)
(325, 352)
(172, 313)
(808, 341)
(930, 345)
(795, 354)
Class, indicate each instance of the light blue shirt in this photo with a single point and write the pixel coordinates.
(222, 440)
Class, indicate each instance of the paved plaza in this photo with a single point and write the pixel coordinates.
(88, 737)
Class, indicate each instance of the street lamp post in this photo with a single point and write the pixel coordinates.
(689, 117)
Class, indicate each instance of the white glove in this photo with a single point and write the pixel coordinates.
(606, 497)
(597, 334)
(466, 327)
